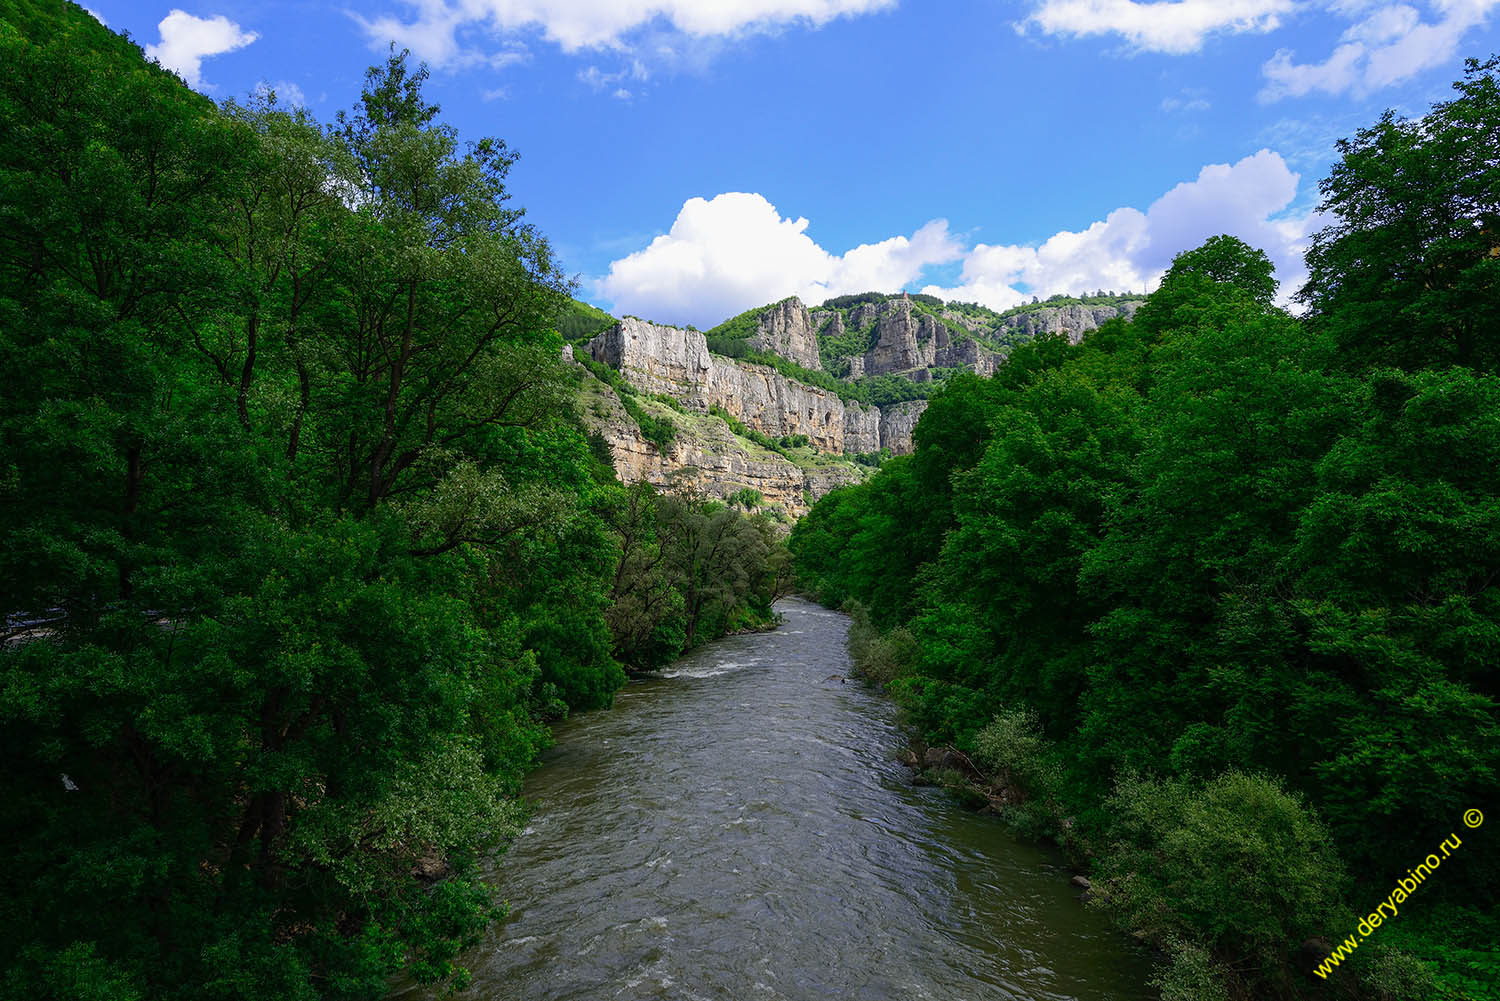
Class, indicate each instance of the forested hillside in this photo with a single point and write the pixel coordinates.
(304, 544)
(1211, 597)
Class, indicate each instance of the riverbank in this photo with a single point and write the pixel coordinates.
(1232, 849)
(736, 827)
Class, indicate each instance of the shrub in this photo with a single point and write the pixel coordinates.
(1190, 974)
(1236, 866)
(878, 658)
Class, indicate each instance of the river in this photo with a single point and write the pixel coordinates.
(738, 828)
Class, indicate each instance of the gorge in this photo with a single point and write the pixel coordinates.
(790, 402)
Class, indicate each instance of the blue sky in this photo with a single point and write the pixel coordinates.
(693, 158)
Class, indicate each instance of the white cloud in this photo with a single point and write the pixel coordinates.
(187, 40)
(436, 32)
(1174, 26)
(1189, 101)
(287, 93)
(91, 12)
(1129, 250)
(1388, 43)
(600, 80)
(734, 251)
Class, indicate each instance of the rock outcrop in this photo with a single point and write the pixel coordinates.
(704, 456)
(910, 343)
(786, 329)
(1073, 321)
(827, 322)
(897, 422)
(861, 429)
(676, 362)
(901, 342)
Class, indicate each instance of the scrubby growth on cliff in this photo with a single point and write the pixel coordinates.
(303, 545)
(1241, 567)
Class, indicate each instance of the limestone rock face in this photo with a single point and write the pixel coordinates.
(676, 362)
(1073, 321)
(861, 429)
(707, 459)
(832, 319)
(969, 323)
(863, 315)
(898, 348)
(771, 403)
(786, 329)
(966, 354)
(656, 359)
(897, 423)
(856, 367)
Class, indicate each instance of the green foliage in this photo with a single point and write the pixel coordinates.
(878, 658)
(314, 567)
(579, 322)
(659, 431)
(746, 498)
(1217, 542)
(1408, 272)
(1236, 867)
(690, 570)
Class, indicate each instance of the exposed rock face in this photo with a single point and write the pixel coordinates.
(897, 423)
(969, 323)
(910, 343)
(708, 459)
(861, 428)
(965, 354)
(655, 359)
(771, 403)
(1074, 321)
(832, 319)
(786, 329)
(677, 362)
(898, 348)
(863, 315)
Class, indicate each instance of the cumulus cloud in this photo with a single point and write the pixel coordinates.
(1388, 43)
(187, 40)
(1130, 249)
(1174, 26)
(435, 32)
(734, 251)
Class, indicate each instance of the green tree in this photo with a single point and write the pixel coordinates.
(1408, 272)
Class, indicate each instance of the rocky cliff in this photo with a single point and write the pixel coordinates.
(1073, 320)
(913, 338)
(786, 329)
(677, 363)
(705, 456)
(897, 422)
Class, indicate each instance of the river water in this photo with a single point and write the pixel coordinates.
(739, 829)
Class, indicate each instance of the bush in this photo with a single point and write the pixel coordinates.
(1012, 751)
(1236, 866)
(878, 658)
(1190, 974)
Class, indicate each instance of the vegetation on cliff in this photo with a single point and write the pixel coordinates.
(1214, 593)
(303, 543)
